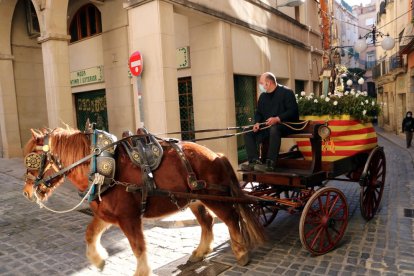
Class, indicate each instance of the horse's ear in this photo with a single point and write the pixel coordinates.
(35, 134)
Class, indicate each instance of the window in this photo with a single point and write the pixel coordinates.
(370, 60)
(185, 96)
(85, 23)
(369, 22)
(33, 28)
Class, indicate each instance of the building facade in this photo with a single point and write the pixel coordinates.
(65, 61)
(391, 73)
(367, 15)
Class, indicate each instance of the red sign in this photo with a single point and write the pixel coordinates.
(136, 63)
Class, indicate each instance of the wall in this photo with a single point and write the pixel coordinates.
(29, 78)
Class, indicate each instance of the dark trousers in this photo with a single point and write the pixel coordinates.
(275, 133)
(408, 138)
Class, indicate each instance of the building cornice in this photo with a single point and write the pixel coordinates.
(53, 36)
(128, 4)
(6, 57)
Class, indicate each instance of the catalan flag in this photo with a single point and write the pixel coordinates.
(348, 137)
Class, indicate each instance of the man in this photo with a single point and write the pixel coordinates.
(276, 104)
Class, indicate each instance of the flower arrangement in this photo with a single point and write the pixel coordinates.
(357, 104)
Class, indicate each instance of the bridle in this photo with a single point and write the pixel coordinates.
(42, 162)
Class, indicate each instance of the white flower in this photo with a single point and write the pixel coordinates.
(362, 103)
(335, 102)
(327, 99)
(312, 94)
(315, 100)
(303, 93)
(352, 92)
(346, 93)
(300, 98)
(296, 95)
(364, 112)
(322, 96)
(373, 103)
(366, 101)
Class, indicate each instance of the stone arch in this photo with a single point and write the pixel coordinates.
(10, 142)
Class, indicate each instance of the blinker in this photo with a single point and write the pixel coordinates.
(33, 161)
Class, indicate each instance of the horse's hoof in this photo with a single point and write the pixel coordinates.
(244, 260)
(101, 265)
(194, 259)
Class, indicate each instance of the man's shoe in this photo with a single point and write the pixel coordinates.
(268, 167)
(248, 167)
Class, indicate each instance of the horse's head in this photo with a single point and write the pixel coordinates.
(46, 153)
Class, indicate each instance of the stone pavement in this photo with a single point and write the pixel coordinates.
(34, 241)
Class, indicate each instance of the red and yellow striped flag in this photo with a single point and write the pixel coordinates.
(348, 137)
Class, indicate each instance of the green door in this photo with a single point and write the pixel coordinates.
(245, 98)
(91, 105)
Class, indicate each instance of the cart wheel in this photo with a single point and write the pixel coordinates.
(323, 221)
(265, 213)
(372, 183)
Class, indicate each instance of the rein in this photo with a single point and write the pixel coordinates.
(287, 124)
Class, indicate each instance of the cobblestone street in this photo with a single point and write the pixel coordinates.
(35, 241)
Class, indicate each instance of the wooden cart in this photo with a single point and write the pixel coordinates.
(298, 185)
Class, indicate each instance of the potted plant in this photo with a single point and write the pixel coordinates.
(348, 115)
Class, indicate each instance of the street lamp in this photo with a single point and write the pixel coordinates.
(292, 3)
(387, 43)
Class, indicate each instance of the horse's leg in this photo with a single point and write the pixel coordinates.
(229, 216)
(132, 228)
(94, 250)
(206, 222)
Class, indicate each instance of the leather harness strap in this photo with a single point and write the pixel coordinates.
(192, 181)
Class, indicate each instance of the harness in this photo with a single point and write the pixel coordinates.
(144, 150)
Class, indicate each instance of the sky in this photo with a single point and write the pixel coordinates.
(357, 2)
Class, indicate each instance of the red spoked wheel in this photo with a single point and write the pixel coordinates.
(265, 212)
(372, 183)
(324, 220)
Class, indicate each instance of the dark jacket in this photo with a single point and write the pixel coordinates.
(281, 102)
(408, 124)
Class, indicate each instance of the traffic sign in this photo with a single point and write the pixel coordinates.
(136, 63)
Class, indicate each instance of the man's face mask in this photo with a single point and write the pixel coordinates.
(408, 115)
(262, 88)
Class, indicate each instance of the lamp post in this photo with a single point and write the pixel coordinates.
(387, 43)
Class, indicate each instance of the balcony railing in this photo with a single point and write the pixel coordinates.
(387, 66)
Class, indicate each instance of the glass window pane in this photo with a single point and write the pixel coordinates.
(83, 24)
(92, 19)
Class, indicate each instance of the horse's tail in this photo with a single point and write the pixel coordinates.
(252, 230)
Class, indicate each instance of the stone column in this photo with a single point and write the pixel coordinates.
(9, 119)
(151, 31)
(212, 82)
(55, 52)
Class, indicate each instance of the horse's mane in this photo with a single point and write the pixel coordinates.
(68, 144)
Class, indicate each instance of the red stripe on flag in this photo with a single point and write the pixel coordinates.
(352, 132)
(337, 152)
(343, 143)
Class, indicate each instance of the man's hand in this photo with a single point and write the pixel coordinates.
(272, 121)
(256, 127)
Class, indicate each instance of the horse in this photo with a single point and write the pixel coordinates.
(116, 206)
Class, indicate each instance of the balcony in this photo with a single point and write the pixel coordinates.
(388, 66)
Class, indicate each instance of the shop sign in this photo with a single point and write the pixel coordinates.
(87, 76)
(183, 57)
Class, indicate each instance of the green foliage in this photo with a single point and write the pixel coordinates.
(356, 104)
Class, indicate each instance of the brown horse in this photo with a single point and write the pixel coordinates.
(122, 208)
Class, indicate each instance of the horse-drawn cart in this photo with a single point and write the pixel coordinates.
(298, 185)
(143, 176)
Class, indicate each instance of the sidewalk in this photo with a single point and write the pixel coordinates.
(398, 140)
